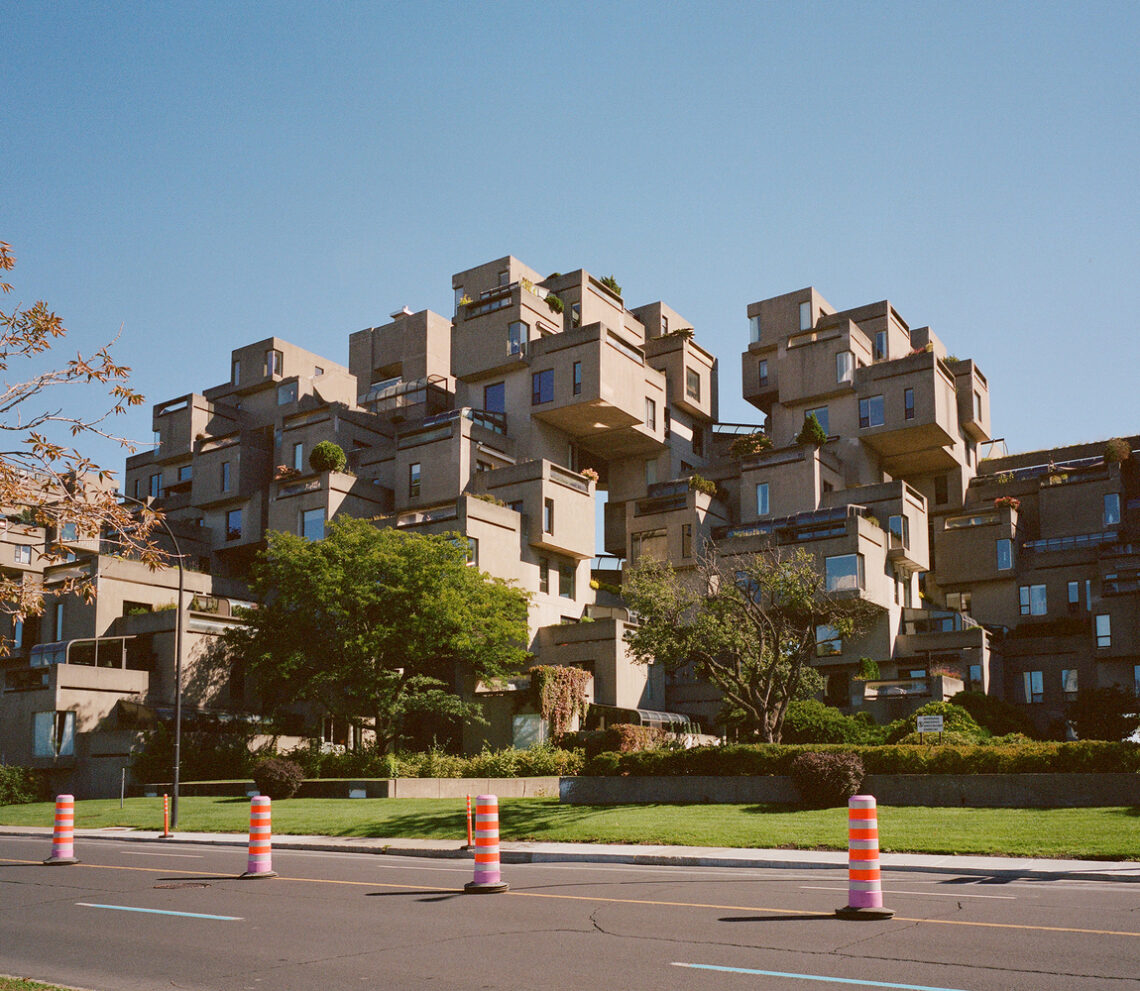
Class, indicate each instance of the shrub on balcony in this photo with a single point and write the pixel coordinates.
(1117, 451)
(747, 445)
(705, 485)
(1012, 502)
(590, 474)
(812, 432)
(554, 302)
(327, 456)
(611, 284)
(868, 669)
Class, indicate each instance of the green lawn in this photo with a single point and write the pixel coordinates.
(19, 984)
(1105, 833)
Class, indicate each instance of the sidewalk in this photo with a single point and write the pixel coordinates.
(606, 853)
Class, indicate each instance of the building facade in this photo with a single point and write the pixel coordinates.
(505, 421)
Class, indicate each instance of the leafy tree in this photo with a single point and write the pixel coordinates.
(996, 715)
(745, 623)
(377, 626)
(44, 480)
(1108, 713)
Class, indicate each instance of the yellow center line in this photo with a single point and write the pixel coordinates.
(622, 901)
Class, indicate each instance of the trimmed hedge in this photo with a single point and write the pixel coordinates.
(825, 780)
(1087, 757)
(539, 761)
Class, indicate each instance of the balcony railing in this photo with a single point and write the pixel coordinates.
(1051, 544)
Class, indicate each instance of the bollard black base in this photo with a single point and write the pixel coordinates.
(863, 914)
(56, 861)
(479, 888)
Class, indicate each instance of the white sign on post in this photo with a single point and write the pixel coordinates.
(929, 724)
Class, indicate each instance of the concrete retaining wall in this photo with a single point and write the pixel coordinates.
(980, 790)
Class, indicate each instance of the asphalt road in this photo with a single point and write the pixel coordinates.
(334, 920)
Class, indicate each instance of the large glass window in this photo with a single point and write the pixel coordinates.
(517, 336)
(1103, 630)
(820, 413)
(1111, 509)
(1004, 554)
(313, 524)
(566, 580)
(1032, 600)
(413, 479)
(762, 370)
(233, 524)
(693, 384)
(827, 641)
(225, 476)
(844, 366)
(844, 572)
(754, 329)
(156, 486)
(908, 404)
(871, 412)
(273, 363)
(23, 553)
(495, 397)
(542, 387)
(899, 527)
(17, 634)
(1074, 590)
(235, 372)
(805, 316)
(286, 393)
(185, 473)
(53, 734)
(577, 378)
(880, 348)
(762, 499)
(1034, 686)
(544, 575)
(651, 414)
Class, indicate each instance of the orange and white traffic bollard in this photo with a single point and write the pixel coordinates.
(469, 843)
(165, 816)
(488, 880)
(864, 884)
(260, 839)
(63, 836)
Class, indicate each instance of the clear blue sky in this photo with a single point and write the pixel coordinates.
(208, 174)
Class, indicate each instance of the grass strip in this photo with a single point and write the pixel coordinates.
(21, 984)
(1084, 834)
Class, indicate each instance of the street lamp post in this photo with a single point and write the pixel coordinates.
(177, 662)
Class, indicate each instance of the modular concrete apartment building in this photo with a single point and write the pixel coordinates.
(1015, 575)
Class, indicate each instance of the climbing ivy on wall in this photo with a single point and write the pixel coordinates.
(560, 694)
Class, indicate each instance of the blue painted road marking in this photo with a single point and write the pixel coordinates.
(812, 977)
(159, 911)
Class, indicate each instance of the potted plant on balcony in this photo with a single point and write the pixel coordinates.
(590, 474)
(747, 445)
(611, 284)
(1117, 451)
(554, 302)
(700, 484)
(282, 472)
(1011, 502)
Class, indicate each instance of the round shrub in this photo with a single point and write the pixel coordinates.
(1117, 451)
(826, 779)
(278, 778)
(327, 456)
(998, 716)
(955, 719)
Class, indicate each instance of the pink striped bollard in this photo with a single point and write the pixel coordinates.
(260, 839)
(488, 880)
(63, 836)
(864, 885)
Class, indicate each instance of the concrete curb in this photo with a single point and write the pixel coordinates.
(549, 853)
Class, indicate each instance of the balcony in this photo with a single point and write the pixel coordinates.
(689, 370)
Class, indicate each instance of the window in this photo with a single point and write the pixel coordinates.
(1069, 683)
(286, 393)
(313, 524)
(225, 476)
(977, 406)
(17, 634)
(1004, 554)
(505, 278)
(185, 473)
(664, 325)
(458, 297)
(667, 422)
(1032, 600)
(762, 369)
(754, 330)
(1074, 596)
(53, 734)
(975, 674)
(1034, 686)
(908, 404)
(156, 486)
(547, 515)
(138, 488)
(473, 552)
(762, 499)
(542, 387)
(941, 490)
(650, 472)
(23, 554)
(273, 363)
(648, 543)
(698, 441)
(1103, 630)
(577, 375)
(820, 413)
(57, 625)
(827, 641)
(871, 412)
(495, 397)
(413, 479)
(566, 582)
(235, 372)
(318, 371)
(233, 524)
(899, 526)
(805, 316)
(880, 349)
(1111, 509)
(575, 314)
(844, 366)
(844, 572)
(651, 414)
(68, 532)
(693, 384)
(544, 575)
(1088, 594)
(1136, 678)
(686, 540)
(481, 465)
(517, 335)
(298, 457)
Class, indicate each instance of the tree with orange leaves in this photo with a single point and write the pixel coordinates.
(46, 485)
